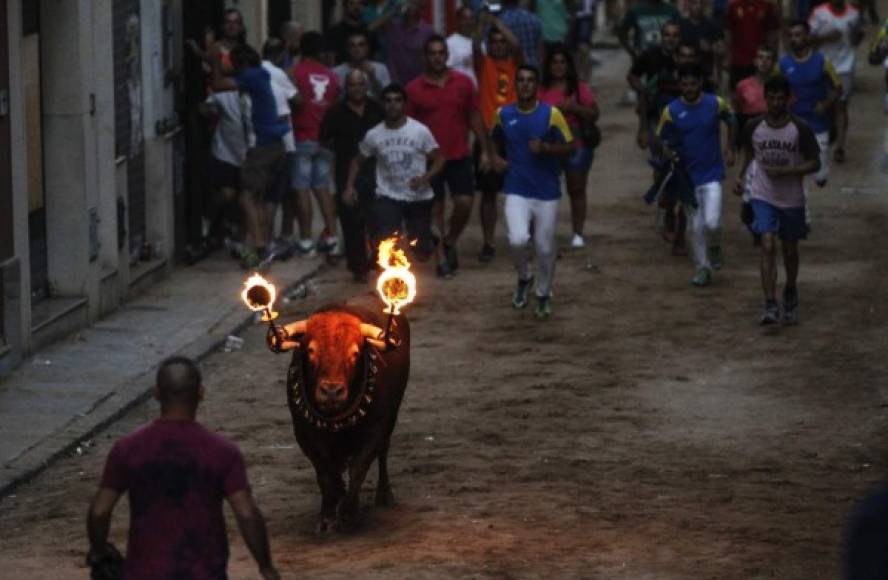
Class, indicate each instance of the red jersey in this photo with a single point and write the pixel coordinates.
(749, 22)
(319, 89)
(445, 109)
(750, 97)
(176, 473)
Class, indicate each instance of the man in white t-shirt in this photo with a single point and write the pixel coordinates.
(407, 159)
(459, 45)
(835, 29)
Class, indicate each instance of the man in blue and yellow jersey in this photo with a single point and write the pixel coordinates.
(689, 129)
(534, 136)
(815, 88)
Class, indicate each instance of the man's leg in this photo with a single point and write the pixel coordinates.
(697, 241)
(488, 216)
(300, 182)
(711, 198)
(768, 267)
(418, 224)
(462, 191)
(791, 263)
(576, 190)
(353, 239)
(545, 218)
(842, 117)
(321, 181)
(439, 186)
(518, 216)
(387, 219)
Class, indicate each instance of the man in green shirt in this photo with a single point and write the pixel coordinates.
(645, 20)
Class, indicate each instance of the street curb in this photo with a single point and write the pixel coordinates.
(128, 395)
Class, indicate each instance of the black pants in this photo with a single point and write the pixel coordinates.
(355, 221)
(392, 217)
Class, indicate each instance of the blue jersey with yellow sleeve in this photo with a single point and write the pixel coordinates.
(693, 130)
(811, 80)
(530, 175)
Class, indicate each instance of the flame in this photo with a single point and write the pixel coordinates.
(397, 284)
(259, 295)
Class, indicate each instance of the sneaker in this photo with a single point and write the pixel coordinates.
(522, 289)
(577, 242)
(328, 244)
(702, 276)
(771, 315)
(305, 247)
(487, 253)
(280, 249)
(451, 256)
(716, 258)
(820, 182)
(444, 270)
(544, 307)
(790, 307)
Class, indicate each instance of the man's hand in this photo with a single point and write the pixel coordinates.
(535, 146)
(730, 157)
(642, 139)
(499, 164)
(349, 196)
(484, 163)
(739, 185)
(418, 182)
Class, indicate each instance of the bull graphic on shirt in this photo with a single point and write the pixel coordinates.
(319, 85)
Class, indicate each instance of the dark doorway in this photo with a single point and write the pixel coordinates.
(6, 237)
(278, 13)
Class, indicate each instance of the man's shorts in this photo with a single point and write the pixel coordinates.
(280, 184)
(458, 177)
(223, 174)
(391, 216)
(310, 168)
(579, 161)
(261, 166)
(487, 181)
(847, 86)
(788, 223)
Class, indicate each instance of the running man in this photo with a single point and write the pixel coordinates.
(779, 150)
(815, 86)
(835, 28)
(689, 128)
(535, 137)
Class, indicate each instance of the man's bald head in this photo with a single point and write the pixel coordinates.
(178, 382)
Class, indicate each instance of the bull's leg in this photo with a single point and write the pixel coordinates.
(384, 494)
(357, 472)
(332, 490)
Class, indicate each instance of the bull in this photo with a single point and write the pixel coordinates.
(344, 388)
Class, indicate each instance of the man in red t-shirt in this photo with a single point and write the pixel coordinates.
(177, 473)
(311, 166)
(445, 101)
(749, 24)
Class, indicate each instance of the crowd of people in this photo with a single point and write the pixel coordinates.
(389, 127)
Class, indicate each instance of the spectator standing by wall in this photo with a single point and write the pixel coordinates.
(359, 59)
(310, 171)
(836, 30)
(459, 45)
(405, 34)
(177, 474)
(445, 101)
(527, 29)
(344, 126)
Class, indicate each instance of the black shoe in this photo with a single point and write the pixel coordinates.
(487, 253)
(771, 314)
(444, 271)
(522, 290)
(451, 256)
(790, 306)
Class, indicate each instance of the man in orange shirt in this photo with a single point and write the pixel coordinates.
(495, 70)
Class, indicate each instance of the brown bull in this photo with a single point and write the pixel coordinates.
(344, 388)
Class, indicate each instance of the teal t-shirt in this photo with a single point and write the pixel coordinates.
(553, 18)
(646, 20)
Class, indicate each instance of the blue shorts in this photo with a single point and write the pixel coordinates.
(579, 161)
(787, 222)
(310, 167)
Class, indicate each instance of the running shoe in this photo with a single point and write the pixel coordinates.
(487, 253)
(577, 242)
(771, 315)
(444, 270)
(701, 277)
(522, 289)
(328, 244)
(280, 249)
(820, 182)
(306, 248)
(790, 306)
(716, 258)
(544, 307)
(451, 256)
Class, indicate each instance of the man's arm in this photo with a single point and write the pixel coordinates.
(349, 195)
(511, 39)
(252, 527)
(835, 90)
(728, 118)
(477, 126)
(557, 124)
(220, 82)
(436, 166)
(98, 519)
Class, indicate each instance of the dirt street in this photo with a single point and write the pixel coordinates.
(648, 430)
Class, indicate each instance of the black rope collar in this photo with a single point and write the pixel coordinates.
(364, 387)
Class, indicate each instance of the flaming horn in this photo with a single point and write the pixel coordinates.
(259, 295)
(396, 284)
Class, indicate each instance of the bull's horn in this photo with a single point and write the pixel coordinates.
(295, 328)
(371, 331)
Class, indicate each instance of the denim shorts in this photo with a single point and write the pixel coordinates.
(310, 167)
(579, 161)
(787, 222)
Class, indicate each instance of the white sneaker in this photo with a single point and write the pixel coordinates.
(578, 241)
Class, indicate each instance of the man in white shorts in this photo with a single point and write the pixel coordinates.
(535, 137)
(835, 29)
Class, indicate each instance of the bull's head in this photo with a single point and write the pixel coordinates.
(332, 344)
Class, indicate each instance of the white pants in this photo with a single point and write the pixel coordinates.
(823, 172)
(520, 212)
(704, 222)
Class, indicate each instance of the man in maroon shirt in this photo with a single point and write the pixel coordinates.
(749, 25)
(446, 102)
(177, 473)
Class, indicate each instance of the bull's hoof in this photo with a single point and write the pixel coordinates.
(347, 515)
(325, 527)
(385, 497)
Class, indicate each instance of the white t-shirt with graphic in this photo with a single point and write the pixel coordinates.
(825, 20)
(401, 154)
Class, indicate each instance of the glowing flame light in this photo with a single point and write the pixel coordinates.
(397, 284)
(259, 295)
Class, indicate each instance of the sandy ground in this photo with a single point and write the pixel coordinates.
(647, 430)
